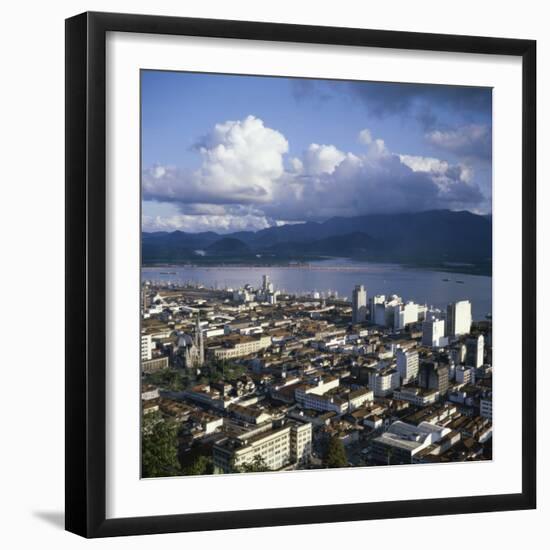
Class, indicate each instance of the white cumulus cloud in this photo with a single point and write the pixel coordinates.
(472, 140)
(241, 162)
(247, 180)
(365, 137)
(321, 159)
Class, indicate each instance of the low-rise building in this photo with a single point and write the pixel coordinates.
(153, 365)
(402, 442)
(207, 395)
(421, 397)
(148, 392)
(241, 346)
(359, 397)
(252, 415)
(277, 448)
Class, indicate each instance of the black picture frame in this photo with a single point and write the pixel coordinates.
(86, 269)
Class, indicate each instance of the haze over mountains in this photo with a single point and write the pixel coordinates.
(437, 238)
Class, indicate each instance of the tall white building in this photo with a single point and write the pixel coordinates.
(458, 353)
(383, 379)
(474, 351)
(433, 333)
(373, 302)
(359, 304)
(405, 314)
(407, 364)
(267, 285)
(384, 311)
(146, 347)
(459, 318)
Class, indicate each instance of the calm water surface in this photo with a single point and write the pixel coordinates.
(341, 275)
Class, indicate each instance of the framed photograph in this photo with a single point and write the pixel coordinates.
(300, 274)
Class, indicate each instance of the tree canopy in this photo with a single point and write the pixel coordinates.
(159, 447)
(257, 464)
(202, 465)
(335, 456)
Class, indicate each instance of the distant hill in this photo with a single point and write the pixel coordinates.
(349, 244)
(228, 246)
(435, 237)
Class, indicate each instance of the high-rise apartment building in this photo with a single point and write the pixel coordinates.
(434, 376)
(359, 304)
(433, 333)
(459, 318)
(474, 351)
(407, 364)
(405, 314)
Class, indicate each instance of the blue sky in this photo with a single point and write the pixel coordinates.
(228, 152)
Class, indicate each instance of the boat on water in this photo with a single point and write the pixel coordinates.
(460, 282)
(445, 280)
(167, 273)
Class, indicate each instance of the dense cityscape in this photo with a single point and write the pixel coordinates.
(255, 379)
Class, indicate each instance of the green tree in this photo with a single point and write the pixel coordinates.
(257, 464)
(159, 447)
(202, 465)
(335, 456)
(169, 379)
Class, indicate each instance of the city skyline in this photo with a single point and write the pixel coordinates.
(368, 381)
(228, 153)
(316, 285)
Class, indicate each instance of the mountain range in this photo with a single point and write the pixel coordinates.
(433, 238)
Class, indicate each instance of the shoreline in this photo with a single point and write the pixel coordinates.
(473, 269)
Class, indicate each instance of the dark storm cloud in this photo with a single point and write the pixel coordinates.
(383, 99)
(429, 104)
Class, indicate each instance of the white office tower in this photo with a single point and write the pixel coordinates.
(405, 314)
(433, 313)
(458, 353)
(422, 312)
(433, 333)
(384, 312)
(459, 318)
(474, 351)
(407, 365)
(359, 304)
(373, 303)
